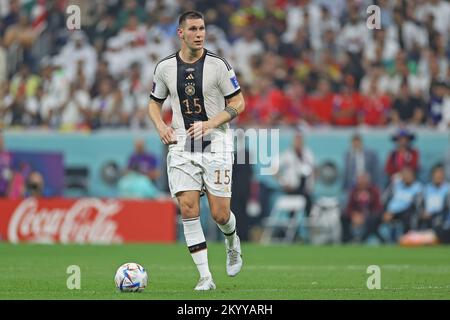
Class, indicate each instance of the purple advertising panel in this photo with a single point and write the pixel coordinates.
(49, 164)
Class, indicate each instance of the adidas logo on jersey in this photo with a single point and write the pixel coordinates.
(190, 77)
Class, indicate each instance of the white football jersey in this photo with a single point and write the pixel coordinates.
(197, 92)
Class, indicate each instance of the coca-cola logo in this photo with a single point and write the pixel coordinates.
(87, 220)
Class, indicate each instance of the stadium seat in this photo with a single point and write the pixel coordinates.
(284, 220)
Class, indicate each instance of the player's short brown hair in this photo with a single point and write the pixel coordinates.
(189, 15)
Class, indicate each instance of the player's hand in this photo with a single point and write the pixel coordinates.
(167, 135)
(199, 129)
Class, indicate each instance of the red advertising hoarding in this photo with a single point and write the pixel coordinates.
(87, 220)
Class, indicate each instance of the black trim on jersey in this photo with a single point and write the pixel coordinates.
(196, 98)
(218, 57)
(154, 72)
(233, 94)
(164, 59)
(157, 99)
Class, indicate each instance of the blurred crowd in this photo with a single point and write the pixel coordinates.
(376, 194)
(311, 61)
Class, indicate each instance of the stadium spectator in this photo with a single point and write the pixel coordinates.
(403, 156)
(55, 90)
(101, 74)
(296, 103)
(131, 8)
(135, 95)
(107, 108)
(136, 185)
(346, 105)
(354, 34)
(145, 162)
(75, 112)
(24, 83)
(5, 168)
(16, 108)
(243, 50)
(436, 200)
(438, 99)
(104, 29)
(445, 122)
(35, 185)
(54, 82)
(33, 108)
(359, 160)
(381, 48)
(20, 37)
(407, 109)
(363, 213)
(375, 76)
(296, 173)
(251, 115)
(320, 104)
(375, 107)
(402, 204)
(78, 50)
(271, 104)
(11, 17)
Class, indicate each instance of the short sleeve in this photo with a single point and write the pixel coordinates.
(159, 88)
(228, 82)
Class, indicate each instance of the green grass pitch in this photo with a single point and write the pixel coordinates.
(270, 272)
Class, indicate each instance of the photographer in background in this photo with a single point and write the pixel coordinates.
(296, 175)
(35, 185)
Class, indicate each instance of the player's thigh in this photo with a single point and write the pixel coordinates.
(189, 202)
(183, 173)
(219, 207)
(218, 171)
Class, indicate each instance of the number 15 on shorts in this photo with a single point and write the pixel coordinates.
(222, 177)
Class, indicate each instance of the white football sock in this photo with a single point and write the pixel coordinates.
(229, 230)
(196, 243)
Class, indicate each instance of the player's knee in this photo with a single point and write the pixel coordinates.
(221, 216)
(189, 209)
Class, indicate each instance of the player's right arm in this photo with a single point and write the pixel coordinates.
(166, 133)
(157, 97)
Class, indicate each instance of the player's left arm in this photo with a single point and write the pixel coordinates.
(234, 106)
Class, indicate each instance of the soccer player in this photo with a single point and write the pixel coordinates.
(204, 95)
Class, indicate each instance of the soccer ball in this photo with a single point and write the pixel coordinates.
(131, 277)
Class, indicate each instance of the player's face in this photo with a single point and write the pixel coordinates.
(193, 33)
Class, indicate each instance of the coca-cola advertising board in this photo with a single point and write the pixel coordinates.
(87, 220)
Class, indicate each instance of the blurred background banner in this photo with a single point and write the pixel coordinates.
(87, 221)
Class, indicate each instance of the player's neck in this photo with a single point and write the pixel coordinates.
(190, 56)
